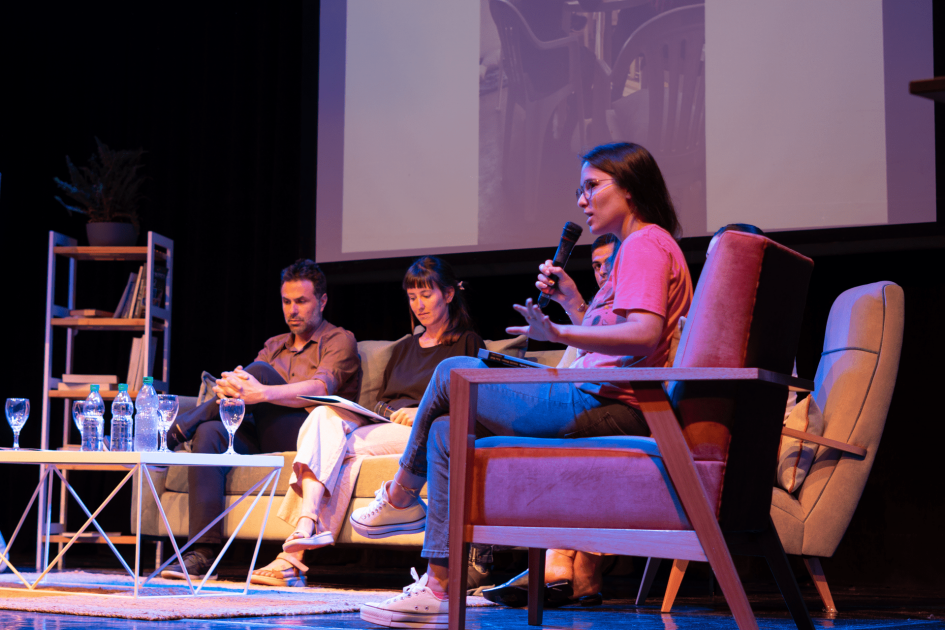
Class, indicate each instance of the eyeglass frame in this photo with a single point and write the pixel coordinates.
(582, 189)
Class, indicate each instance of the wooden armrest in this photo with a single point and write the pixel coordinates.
(629, 375)
(852, 449)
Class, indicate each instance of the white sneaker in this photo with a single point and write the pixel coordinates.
(418, 607)
(380, 519)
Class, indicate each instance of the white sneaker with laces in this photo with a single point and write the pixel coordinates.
(418, 607)
(380, 519)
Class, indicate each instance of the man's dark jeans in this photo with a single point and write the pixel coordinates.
(266, 428)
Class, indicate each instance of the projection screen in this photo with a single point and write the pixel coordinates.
(457, 126)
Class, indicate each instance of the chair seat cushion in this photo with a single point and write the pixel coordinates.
(601, 482)
(238, 480)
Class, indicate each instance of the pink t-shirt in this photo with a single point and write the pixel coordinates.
(649, 274)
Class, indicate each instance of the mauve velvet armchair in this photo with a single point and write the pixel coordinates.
(707, 468)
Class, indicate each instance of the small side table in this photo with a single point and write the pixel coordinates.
(55, 462)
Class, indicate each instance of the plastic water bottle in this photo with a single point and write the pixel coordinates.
(122, 411)
(146, 424)
(94, 421)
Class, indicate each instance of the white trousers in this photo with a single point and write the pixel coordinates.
(332, 443)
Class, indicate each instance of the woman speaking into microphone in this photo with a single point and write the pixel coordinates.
(629, 322)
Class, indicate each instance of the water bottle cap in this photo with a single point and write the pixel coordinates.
(148, 380)
(94, 387)
(123, 387)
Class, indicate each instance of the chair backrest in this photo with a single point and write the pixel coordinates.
(515, 35)
(854, 387)
(746, 312)
(669, 51)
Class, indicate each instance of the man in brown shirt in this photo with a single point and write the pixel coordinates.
(313, 358)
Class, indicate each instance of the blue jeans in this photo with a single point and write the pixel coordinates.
(553, 410)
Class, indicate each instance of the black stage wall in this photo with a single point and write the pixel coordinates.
(214, 93)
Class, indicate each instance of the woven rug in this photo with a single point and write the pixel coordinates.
(218, 599)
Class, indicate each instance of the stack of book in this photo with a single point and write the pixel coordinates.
(136, 367)
(132, 305)
(81, 382)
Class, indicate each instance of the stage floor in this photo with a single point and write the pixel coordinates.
(696, 607)
(864, 610)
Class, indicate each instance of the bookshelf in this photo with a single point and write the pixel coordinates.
(156, 321)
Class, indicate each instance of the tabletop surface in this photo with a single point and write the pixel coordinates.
(35, 456)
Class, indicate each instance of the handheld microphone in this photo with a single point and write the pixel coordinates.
(383, 409)
(569, 236)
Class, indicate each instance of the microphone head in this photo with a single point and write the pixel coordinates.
(572, 231)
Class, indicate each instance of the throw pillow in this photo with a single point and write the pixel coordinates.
(796, 456)
(374, 358)
(207, 381)
(514, 347)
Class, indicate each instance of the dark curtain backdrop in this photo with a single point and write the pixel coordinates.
(214, 92)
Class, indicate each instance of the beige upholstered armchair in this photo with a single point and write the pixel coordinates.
(853, 386)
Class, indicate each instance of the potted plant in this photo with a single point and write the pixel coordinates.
(107, 191)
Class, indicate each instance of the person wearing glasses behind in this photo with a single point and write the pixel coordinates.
(629, 322)
(333, 439)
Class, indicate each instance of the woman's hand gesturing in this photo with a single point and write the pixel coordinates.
(539, 326)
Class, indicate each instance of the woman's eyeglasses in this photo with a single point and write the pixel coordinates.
(589, 187)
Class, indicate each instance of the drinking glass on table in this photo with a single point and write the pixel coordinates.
(231, 412)
(168, 406)
(18, 410)
(78, 415)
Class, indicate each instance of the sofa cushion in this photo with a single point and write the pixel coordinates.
(513, 347)
(796, 456)
(375, 471)
(374, 358)
(563, 476)
(238, 481)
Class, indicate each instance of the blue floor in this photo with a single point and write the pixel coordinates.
(617, 616)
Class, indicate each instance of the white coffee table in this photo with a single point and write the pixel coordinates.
(54, 461)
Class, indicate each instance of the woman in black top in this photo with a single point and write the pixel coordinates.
(333, 441)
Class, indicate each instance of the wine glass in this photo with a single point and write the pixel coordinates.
(18, 410)
(231, 412)
(78, 414)
(168, 406)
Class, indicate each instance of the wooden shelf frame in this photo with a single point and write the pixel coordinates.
(108, 254)
(159, 250)
(108, 323)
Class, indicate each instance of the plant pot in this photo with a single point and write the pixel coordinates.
(111, 234)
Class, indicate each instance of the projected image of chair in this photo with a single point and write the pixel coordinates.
(853, 387)
(706, 470)
(667, 113)
(538, 93)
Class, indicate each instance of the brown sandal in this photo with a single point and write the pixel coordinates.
(292, 577)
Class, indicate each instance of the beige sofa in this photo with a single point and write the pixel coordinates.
(171, 484)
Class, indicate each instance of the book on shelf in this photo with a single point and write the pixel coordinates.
(126, 295)
(101, 379)
(160, 286)
(83, 313)
(85, 387)
(134, 361)
(136, 366)
(159, 282)
(133, 298)
(149, 369)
